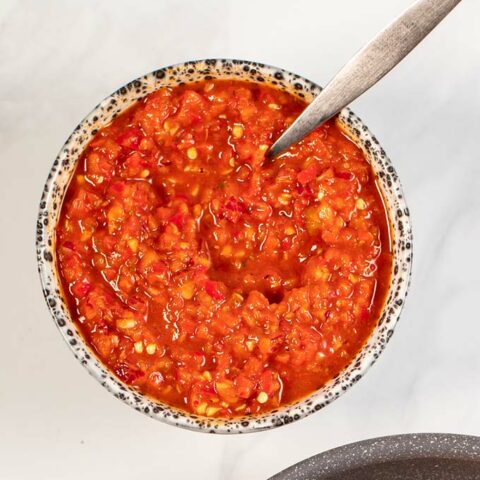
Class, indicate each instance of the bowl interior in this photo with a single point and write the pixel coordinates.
(119, 101)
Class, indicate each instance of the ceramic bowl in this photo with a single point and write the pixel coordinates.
(61, 173)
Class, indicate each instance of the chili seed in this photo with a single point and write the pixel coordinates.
(284, 198)
(133, 244)
(262, 397)
(361, 204)
(192, 153)
(201, 409)
(237, 131)
(151, 348)
(187, 290)
(211, 411)
(138, 346)
(171, 127)
(126, 323)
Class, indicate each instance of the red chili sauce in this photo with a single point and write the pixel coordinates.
(209, 277)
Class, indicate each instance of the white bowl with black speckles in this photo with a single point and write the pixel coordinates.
(62, 171)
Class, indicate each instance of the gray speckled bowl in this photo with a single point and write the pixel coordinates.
(63, 168)
(425, 456)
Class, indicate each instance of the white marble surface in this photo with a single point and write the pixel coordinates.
(59, 58)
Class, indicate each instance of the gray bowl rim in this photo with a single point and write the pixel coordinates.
(370, 452)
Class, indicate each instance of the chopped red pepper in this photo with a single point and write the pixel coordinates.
(130, 138)
(213, 280)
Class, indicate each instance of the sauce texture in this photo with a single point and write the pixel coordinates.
(213, 279)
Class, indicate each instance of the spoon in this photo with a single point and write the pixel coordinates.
(367, 67)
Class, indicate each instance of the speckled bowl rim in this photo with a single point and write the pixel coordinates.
(61, 173)
(338, 461)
